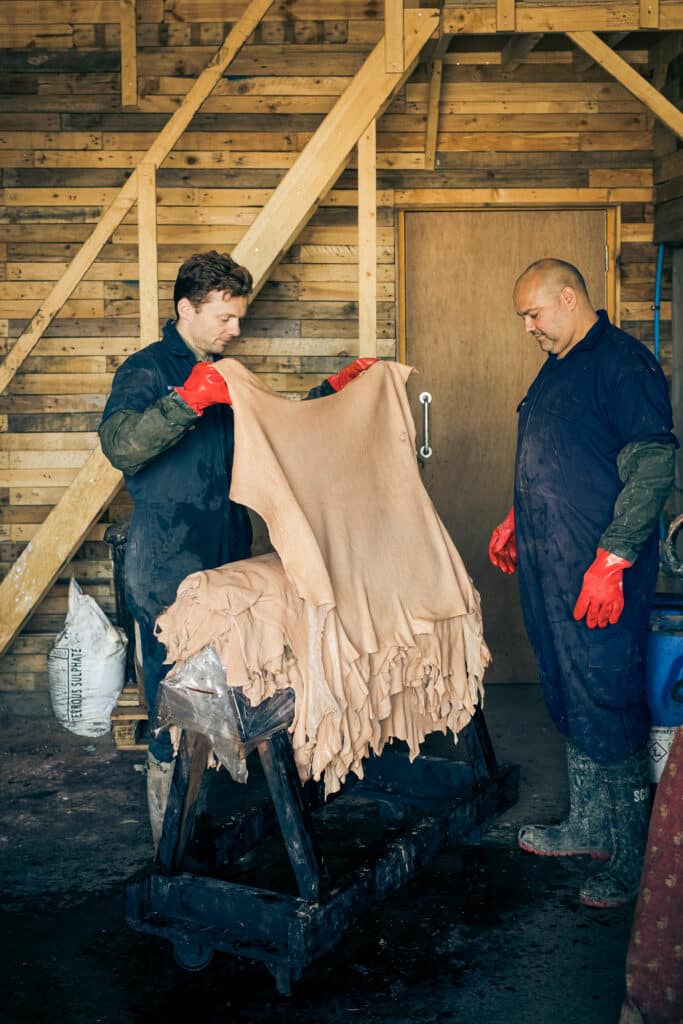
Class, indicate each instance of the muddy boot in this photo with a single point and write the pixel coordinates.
(630, 1014)
(586, 828)
(159, 776)
(628, 787)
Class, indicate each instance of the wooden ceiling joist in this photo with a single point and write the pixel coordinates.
(467, 19)
(603, 55)
(290, 206)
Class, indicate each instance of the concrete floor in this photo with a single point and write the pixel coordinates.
(486, 935)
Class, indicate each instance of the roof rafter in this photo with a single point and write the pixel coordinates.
(603, 55)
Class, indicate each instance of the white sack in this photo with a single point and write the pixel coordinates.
(86, 667)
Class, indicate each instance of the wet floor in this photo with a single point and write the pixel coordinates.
(487, 934)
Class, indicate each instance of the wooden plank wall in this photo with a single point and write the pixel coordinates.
(66, 144)
(668, 167)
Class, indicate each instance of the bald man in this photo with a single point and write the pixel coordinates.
(594, 465)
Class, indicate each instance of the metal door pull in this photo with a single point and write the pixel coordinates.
(425, 450)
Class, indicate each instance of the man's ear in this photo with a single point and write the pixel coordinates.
(569, 296)
(185, 309)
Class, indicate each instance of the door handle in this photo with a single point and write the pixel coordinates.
(425, 450)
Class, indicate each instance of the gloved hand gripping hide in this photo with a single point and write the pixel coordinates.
(339, 380)
(204, 387)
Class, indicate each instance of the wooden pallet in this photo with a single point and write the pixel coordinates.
(129, 721)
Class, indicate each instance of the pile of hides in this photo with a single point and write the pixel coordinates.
(366, 610)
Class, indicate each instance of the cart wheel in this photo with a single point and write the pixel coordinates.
(191, 956)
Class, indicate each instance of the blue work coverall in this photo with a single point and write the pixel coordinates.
(579, 414)
(183, 519)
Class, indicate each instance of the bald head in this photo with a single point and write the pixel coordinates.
(556, 275)
(551, 298)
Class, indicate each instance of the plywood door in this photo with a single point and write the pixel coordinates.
(474, 358)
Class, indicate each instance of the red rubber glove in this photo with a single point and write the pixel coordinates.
(350, 372)
(602, 595)
(503, 545)
(204, 387)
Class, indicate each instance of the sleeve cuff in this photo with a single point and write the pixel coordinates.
(177, 410)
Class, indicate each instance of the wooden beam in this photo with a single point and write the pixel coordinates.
(480, 19)
(659, 77)
(367, 242)
(582, 61)
(436, 49)
(677, 362)
(327, 152)
(668, 47)
(649, 13)
(292, 203)
(438, 198)
(660, 56)
(630, 79)
(517, 48)
(113, 216)
(433, 114)
(393, 35)
(129, 53)
(148, 254)
(613, 236)
(505, 15)
(33, 573)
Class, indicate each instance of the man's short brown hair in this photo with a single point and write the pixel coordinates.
(206, 272)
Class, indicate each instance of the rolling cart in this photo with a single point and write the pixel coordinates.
(190, 898)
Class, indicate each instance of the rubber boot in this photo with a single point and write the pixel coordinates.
(630, 1014)
(159, 776)
(628, 787)
(585, 831)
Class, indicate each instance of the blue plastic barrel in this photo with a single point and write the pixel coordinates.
(665, 667)
(664, 683)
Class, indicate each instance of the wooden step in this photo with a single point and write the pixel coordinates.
(130, 722)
